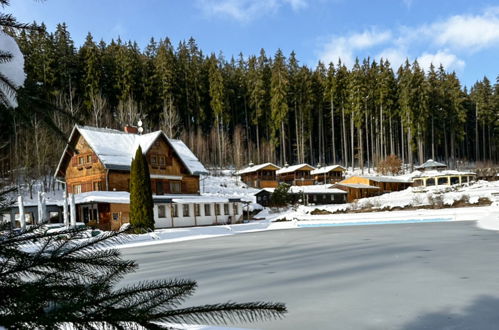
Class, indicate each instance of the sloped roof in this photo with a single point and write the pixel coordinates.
(327, 169)
(357, 185)
(316, 189)
(388, 179)
(116, 149)
(188, 158)
(254, 168)
(293, 168)
(430, 163)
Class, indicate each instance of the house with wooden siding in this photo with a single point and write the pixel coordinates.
(368, 186)
(329, 174)
(296, 175)
(260, 176)
(96, 165)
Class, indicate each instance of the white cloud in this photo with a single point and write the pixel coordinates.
(396, 56)
(448, 60)
(345, 48)
(470, 32)
(442, 42)
(247, 10)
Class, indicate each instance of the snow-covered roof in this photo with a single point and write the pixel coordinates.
(316, 189)
(116, 149)
(393, 179)
(430, 163)
(188, 158)
(118, 197)
(312, 189)
(293, 168)
(357, 185)
(327, 169)
(426, 174)
(254, 168)
(123, 197)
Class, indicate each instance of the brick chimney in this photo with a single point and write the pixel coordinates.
(131, 129)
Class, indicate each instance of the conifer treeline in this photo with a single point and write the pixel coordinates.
(259, 108)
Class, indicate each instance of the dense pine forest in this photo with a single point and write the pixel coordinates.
(230, 111)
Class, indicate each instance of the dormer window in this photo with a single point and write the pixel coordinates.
(81, 160)
(89, 158)
(154, 160)
(162, 160)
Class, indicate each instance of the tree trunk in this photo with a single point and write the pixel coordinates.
(333, 145)
(352, 142)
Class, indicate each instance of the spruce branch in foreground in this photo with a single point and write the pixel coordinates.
(58, 279)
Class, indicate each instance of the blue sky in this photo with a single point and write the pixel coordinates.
(462, 35)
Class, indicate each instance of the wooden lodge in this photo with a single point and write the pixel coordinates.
(260, 176)
(296, 175)
(368, 186)
(329, 174)
(96, 168)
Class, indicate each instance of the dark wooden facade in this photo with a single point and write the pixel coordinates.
(298, 177)
(264, 177)
(84, 171)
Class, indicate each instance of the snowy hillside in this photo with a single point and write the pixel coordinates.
(414, 197)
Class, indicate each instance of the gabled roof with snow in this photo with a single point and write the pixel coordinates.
(116, 149)
(430, 163)
(254, 168)
(294, 168)
(327, 169)
(187, 157)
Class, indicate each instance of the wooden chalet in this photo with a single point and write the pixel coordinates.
(329, 174)
(296, 175)
(260, 176)
(368, 186)
(96, 168)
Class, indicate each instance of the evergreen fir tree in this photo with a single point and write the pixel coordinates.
(67, 280)
(141, 203)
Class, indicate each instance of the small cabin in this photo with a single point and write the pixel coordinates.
(260, 176)
(446, 178)
(329, 174)
(368, 186)
(356, 191)
(312, 194)
(296, 175)
(318, 194)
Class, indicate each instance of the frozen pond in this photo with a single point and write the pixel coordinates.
(442, 275)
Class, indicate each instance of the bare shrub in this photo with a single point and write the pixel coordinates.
(390, 165)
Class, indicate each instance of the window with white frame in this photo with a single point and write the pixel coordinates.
(217, 209)
(185, 210)
(235, 207)
(226, 209)
(175, 210)
(197, 210)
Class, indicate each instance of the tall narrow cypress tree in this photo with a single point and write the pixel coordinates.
(141, 203)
